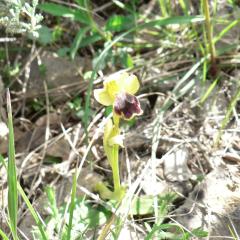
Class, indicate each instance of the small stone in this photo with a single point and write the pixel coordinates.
(175, 166)
(3, 130)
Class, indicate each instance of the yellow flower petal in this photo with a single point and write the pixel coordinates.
(131, 84)
(121, 79)
(102, 96)
(112, 85)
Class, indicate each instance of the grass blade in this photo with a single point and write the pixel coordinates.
(163, 8)
(37, 219)
(171, 20)
(72, 205)
(12, 175)
(34, 214)
(225, 30)
(3, 235)
(228, 115)
(209, 90)
(13, 185)
(77, 41)
(209, 31)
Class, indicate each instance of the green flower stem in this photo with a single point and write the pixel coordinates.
(116, 120)
(115, 169)
(115, 160)
(209, 31)
(112, 152)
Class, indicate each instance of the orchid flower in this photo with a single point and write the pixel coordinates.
(118, 91)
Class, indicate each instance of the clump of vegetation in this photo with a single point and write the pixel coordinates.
(19, 16)
(176, 49)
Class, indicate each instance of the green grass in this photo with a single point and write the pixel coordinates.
(14, 188)
(72, 205)
(228, 115)
(12, 175)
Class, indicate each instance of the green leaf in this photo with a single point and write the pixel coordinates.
(172, 20)
(198, 232)
(52, 160)
(12, 174)
(57, 33)
(45, 35)
(77, 41)
(84, 9)
(57, 10)
(90, 40)
(142, 205)
(85, 216)
(119, 23)
(127, 60)
(63, 52)
(62, 11)
(159, 231)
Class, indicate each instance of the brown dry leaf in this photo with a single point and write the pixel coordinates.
(4, 141)
(60, 148)
(53, 118)
(31, 139)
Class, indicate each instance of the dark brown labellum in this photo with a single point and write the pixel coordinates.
(127, 106)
